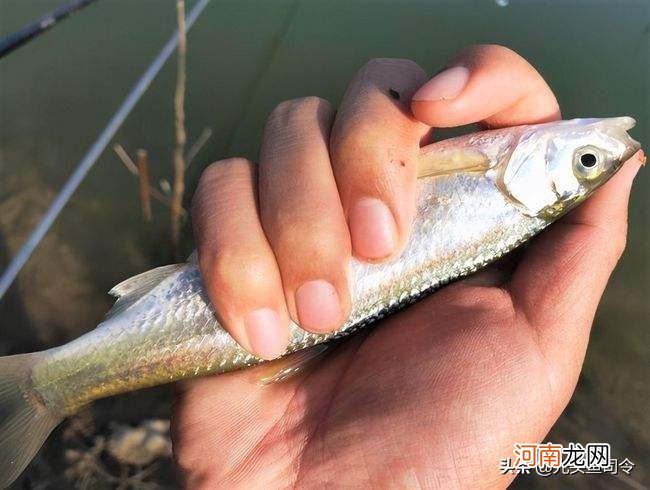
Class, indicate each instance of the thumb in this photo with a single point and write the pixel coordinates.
(486, 83)
(562, 275)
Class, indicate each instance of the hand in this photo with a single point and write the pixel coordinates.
(435, 395)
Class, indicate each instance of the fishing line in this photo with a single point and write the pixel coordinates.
(86, 163)
(27, 33)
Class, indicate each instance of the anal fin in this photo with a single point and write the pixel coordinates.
(294, 364)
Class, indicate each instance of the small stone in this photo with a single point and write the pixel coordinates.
(142, 444)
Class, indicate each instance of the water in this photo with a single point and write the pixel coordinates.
(244, 57)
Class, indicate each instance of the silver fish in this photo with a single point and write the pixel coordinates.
(479, 197)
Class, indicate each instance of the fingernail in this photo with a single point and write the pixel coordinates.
(446, 85)
(318, 305)
(265, 333)
(372, 228)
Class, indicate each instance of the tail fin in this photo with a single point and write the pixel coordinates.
(25, 421)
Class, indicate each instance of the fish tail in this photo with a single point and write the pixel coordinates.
(25, 419)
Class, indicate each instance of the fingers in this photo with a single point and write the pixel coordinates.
(291, 260)
(373, 147)
(236, 261)
(563, 274)
(302, 215)
(486, 83)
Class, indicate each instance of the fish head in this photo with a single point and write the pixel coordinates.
(556, 166)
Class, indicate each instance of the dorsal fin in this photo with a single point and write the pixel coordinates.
(132, 289)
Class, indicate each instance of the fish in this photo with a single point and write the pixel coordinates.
(480, 196)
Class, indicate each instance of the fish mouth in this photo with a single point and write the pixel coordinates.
(618, 127)
(632, 148)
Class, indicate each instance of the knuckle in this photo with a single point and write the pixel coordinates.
(353, 149)
(232, 267)
(504, 51)
(311, 102)
(375, 65)
(355, 142)
(217, 175)
(497, 57)
(225, 168)
(292, 112)
(318, 238)
(489, 51)
(220, 264)
(221, 171)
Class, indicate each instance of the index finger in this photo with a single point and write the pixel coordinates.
(489, 84)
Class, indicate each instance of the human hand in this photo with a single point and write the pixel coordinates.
(435, 395)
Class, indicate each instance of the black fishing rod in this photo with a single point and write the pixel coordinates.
(29, 32)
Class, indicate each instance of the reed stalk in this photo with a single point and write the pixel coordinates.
(142, 160)
(132, 167)
(197, 146)
(178, 186)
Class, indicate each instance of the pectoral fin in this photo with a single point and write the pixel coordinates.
(433, 161)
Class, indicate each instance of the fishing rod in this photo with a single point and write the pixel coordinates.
(29, 32)
(89, 159)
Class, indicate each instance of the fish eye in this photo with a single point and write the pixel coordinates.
(588, 160)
